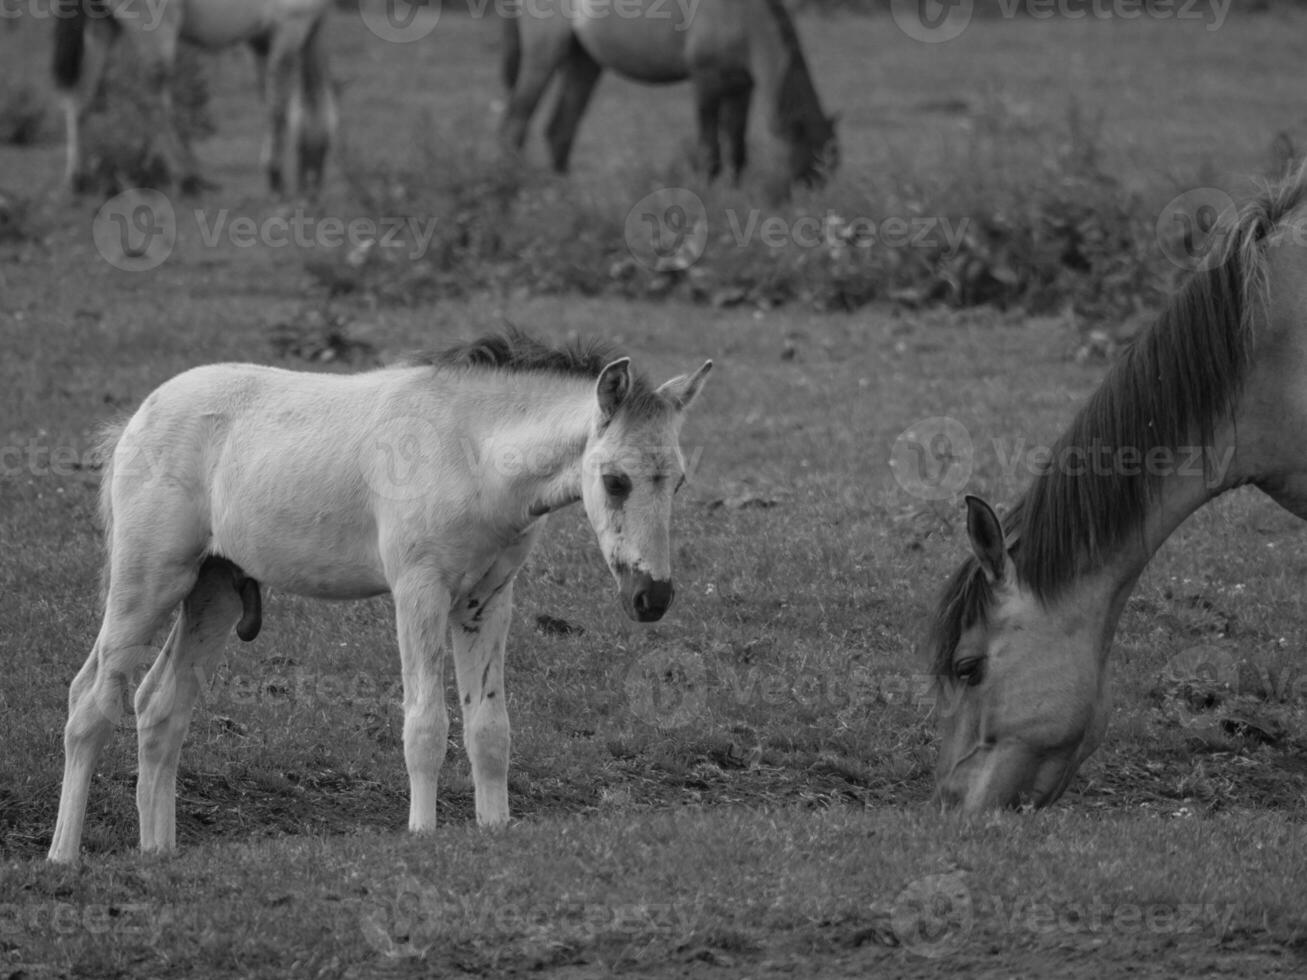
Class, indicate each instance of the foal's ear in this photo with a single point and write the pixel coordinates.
(613, 386)
(684, 389)
(987, 541)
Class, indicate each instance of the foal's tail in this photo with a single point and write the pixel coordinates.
(109, 438)
(512, 53)
(69, 26)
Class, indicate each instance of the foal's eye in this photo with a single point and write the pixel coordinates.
(971, 671)
(617, 484)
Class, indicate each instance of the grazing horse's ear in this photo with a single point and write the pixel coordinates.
(987, 541)
(684, 389)
(613, 387)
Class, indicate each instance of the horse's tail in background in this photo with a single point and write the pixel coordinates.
(110, 436)
(511, 57)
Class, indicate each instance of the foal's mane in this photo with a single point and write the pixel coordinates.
(517, 352)
(796, 98)
(1172, 387)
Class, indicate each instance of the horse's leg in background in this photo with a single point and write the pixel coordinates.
(708, 104)
(421, 614)
(735, 125)
(79, 72)
(317, 126)
(282, 79)
(147, 579)
(577, 79)
(156, 46)
(543, 49)
(166, 698)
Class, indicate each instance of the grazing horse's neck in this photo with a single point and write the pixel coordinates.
(1195, 476)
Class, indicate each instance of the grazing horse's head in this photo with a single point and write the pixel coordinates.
(631, 468)
(814, 150)
(1022, 682)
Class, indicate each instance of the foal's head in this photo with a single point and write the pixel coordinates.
(632, 467)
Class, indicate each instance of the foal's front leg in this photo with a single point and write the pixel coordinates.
(421, 613)
(480, 633)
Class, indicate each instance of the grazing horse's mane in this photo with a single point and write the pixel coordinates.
(518, 352)
(796, 99)
(1172, 387)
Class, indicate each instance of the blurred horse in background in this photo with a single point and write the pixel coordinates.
(727, 48)
(285, 35)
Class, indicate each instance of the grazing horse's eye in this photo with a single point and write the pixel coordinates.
(971, 670)
(617, 484)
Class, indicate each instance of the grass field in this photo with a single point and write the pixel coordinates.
(740, 790)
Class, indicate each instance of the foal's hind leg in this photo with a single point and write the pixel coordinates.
(138, 602)
(167, 696)
(577, 80)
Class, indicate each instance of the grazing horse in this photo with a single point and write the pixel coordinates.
(1208, 398)
(430, 481)
(286, 37)
(725, 47)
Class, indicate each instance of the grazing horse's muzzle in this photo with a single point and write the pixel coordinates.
(644, 597)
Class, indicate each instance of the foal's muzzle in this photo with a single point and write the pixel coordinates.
(644, 597)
